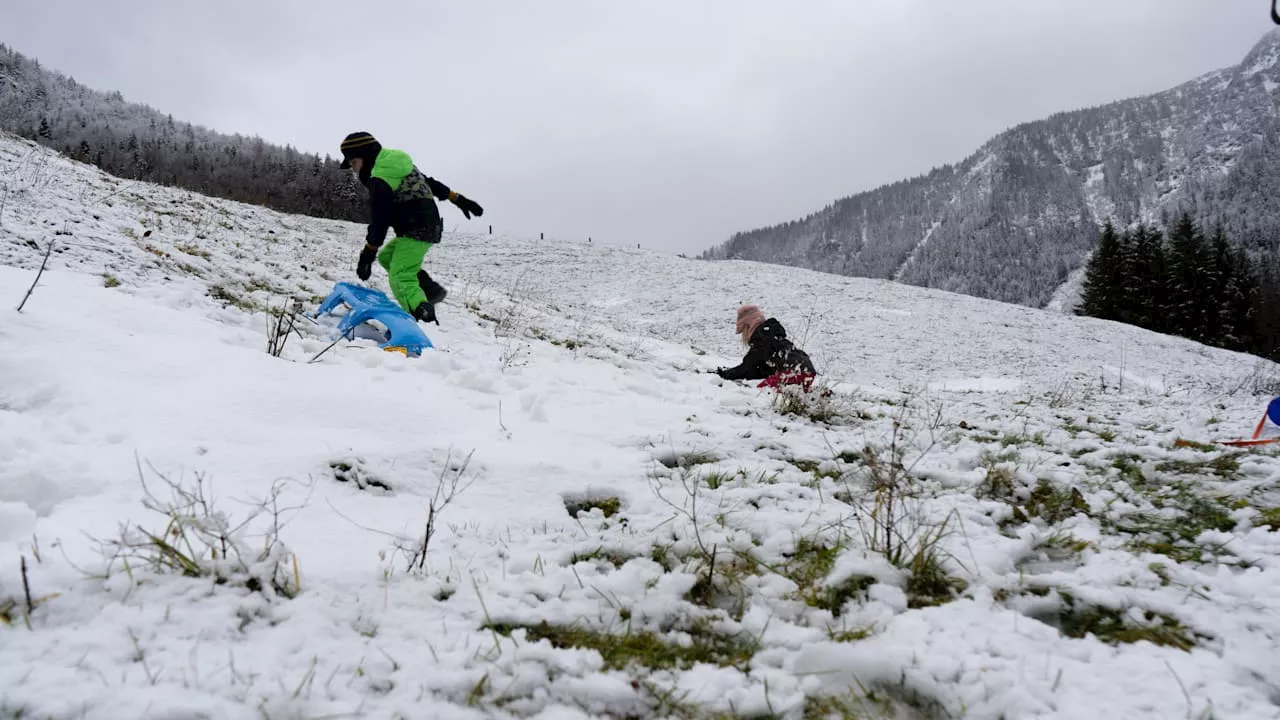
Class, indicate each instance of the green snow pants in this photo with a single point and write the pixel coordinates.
(402, 258)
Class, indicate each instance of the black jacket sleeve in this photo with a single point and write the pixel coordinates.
(438, 189)
(755, 366)
(380, 202)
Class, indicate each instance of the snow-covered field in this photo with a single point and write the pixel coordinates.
(985, 517)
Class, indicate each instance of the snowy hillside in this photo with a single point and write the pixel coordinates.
(1014, 219)
(985, 517)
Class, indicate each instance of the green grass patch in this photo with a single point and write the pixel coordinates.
(229, 296)
(192, 250)
(928, 583)
(1270, 518)
(716, 480)
(808, 566)
(1053, 504)
(1225, 466)
(1128, 465)
(1077, 619)
(851, 705)
(1060, 542)
(999, 482)
(1018, 439)
(614, 556)
(610, 506)
(815, 467)
(644, 649)
(693, 458)
(110, 281)
(1114, 627)
(1175, 536)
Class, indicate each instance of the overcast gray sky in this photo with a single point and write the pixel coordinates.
(670, 123)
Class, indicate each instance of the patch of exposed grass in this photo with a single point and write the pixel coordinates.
(1053, 504)
(808, 566)
(110, 281)
(1018, 439)
(1129, 467)
(1225, 466)
(817, 469)
(192, 250)
(614, 556)
(805, 465)
(231, 297)
(721, 585)
(353, 471)
(1175, 537)
(644, 649)
(1077, 619)
(265, 285)
(1113, 626)
(819, 404)
(1061, 542)
(607, 505)
(716, 480)
(677, 460)
(928, 583)
(851, 705)
(998, 483)
(1270, 518)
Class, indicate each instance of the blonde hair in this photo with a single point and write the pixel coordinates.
(749, 318)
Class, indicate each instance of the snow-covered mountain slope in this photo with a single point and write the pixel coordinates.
(1014, 219)
(986, 516)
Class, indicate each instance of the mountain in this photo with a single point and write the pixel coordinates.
(1014, 219)
(137, 142)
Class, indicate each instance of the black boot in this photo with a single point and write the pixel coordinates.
(426, 312)
(434, 291)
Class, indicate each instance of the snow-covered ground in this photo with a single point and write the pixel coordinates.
(986, 517)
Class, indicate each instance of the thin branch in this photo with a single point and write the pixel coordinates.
(26, 586)
(38, 274)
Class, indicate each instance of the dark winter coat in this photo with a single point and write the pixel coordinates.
(770, 352)
(401, 198)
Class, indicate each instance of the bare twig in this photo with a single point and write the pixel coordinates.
(278, 333)
(26, 586)
(446, 492)
(330, 345)
(38, 274)
(414, 549)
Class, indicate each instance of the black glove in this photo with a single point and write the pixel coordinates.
(365, 267)
(468, 206)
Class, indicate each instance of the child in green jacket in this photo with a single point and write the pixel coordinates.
(403, 199)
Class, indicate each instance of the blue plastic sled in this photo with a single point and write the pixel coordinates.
(403, 334)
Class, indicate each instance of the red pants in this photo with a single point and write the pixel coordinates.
(788, 378)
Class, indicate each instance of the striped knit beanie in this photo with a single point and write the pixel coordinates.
(359, 145)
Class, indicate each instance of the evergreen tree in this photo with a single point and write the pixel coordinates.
(1147, 278)
(1188, 299)
(1239, 298)
(1102, 290)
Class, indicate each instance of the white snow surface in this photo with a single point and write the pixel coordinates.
(572, 372)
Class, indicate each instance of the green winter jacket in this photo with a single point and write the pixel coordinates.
(403, 199)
